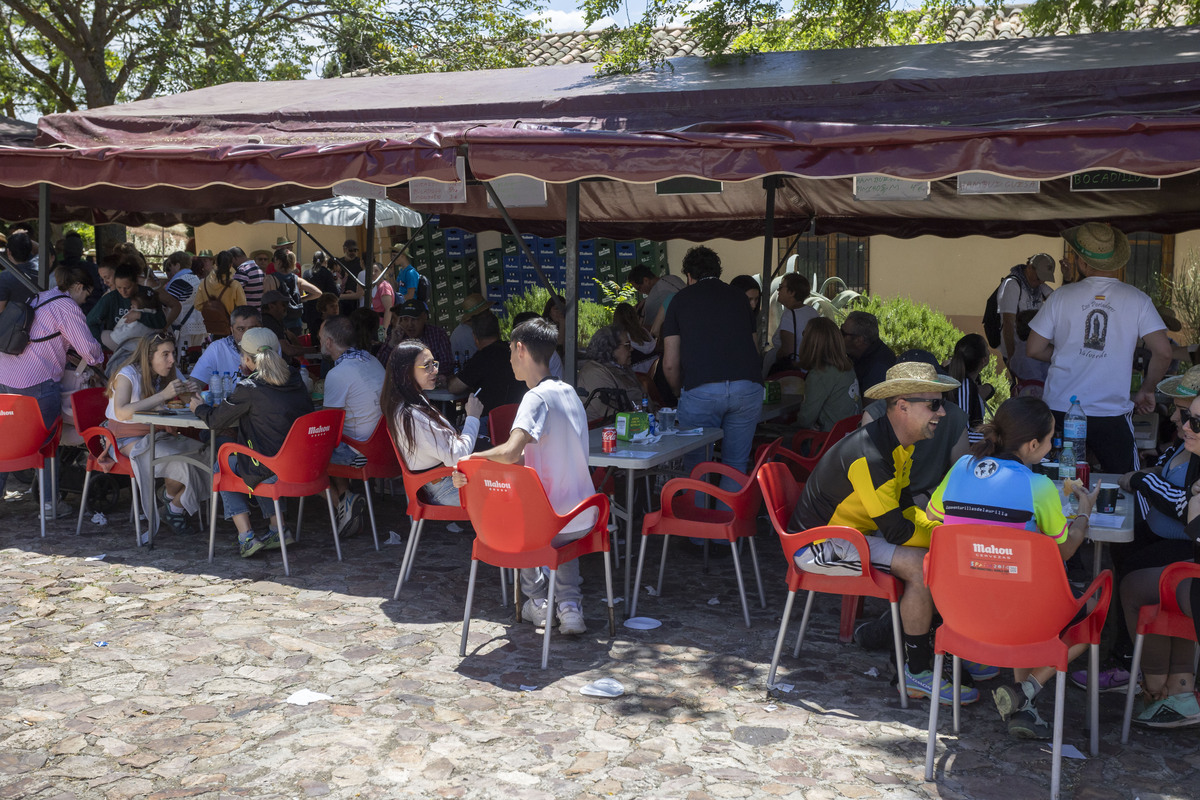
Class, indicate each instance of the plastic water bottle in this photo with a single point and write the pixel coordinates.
(1066, 470)
(230, 384)
(1075, 430)
(216, 384)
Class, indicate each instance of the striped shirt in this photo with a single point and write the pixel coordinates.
(250, 276)
(45, 361)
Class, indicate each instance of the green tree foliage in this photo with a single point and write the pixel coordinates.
(592, 316)
(739, 28)
(63, 55)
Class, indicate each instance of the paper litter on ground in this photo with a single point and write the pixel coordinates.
(100, 557)
(713, 601)
(393, 538)
(306, 696)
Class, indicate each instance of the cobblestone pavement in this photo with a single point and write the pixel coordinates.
(154, 674)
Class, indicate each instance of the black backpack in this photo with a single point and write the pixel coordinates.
(16, 322)
(991, 315)
(424, 289)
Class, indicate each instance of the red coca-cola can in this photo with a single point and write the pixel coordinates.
(1083, 472)
(608, 439)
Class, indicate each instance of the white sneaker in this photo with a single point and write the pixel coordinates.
(534, 611)
(570, 619)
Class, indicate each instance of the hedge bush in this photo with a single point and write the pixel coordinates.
(592, 317)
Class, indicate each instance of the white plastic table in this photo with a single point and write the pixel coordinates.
(635, 457)
(1102, 529)
(173, 418)
(786, 405)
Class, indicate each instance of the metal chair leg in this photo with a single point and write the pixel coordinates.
(137, 513)
(898, 642)
(299, 518)
(931, 740)
(957, 707)
(42, 499)
(762, 597)
(808, 604)
(1060, 695)
(212, 525)
(608, 585)
(462, 646)
(737, 571)
(337, 545)
(503, 586)
(662, 564)
(279, 532)
(410, 550)
(1130, 688)
(1094, 698)
(779, 637)
(637, 579)
(550, 610)
(87, 479)
(371, 511)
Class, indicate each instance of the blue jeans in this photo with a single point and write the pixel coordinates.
(236, 503)
(732, 406)
(49, 398)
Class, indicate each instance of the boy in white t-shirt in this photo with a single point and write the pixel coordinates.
(550, 433)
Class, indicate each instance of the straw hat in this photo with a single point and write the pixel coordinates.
(282, 241)
(474, 305)
(1169, 318)
(1182, 387)
(260, 251)
(911, 377)
(1101, 245)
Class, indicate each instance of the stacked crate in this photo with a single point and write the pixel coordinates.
(450, 259)
(507, 272)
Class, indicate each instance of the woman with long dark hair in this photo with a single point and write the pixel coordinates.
(425, 438)
(994, 485)
(830, 385)
(970, 356)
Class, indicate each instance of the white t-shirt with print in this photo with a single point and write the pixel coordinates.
(553, 416)
(1094, 325)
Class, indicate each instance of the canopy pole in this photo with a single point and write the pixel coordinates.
(512, 226)
(570, 343)
(45, 246)
(769, 183)
(370, 254)
(328, 253)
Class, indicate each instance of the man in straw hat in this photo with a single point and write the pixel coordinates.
(1088, 331)
(863, 483)
(461, 338)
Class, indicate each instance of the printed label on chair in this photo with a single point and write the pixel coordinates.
(1006, 561)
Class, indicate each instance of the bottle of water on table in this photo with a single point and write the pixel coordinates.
(1075, 430)
(1066, 471)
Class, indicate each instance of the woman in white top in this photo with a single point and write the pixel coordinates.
(793, 291)
(424, 438)
(146, 383)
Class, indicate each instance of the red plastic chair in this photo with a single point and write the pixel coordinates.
(420, 511)
(88, 406)
(381, 464)
(781, 493)
(682, 513)
(802, 466)
(1004, 600)
(515, 526)
(500, 420)
(1164, 619)
(26, 444)
(302, 467)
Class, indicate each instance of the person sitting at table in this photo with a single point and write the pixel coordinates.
(794, 289)
(830, 385)
(1166, 509)
(261, 410)
(148, 382)
(605, 366)
(995, 485)
(970, 356)
(123, 339)
(862, 482)
(641, 341)
(490, 370)
(423, 436)
(223, 355)
(556, 362)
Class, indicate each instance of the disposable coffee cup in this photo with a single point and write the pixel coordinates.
(1106, 501)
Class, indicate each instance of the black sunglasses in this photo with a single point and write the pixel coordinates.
(935, 405)
(1187, 419)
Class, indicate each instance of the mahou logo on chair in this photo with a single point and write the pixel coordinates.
(317, 430)
(497, 485)
(1007, 560)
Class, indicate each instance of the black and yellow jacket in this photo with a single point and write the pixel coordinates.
(862, 482)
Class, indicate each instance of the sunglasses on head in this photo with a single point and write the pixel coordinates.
(1188, 420)
(935, 405)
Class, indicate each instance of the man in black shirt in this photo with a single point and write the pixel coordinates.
(323, 279)
(709, 353)
(490, 369)
(872, 358)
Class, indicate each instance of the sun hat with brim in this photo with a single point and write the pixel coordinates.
(1101, 245)
(474, 305)
(1169, 318)
(1182, 387)
(911, 377)
(260, 251)
(259, 340)
(282, 241)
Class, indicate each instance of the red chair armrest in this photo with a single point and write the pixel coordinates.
(98, 432)
(792, 542)
(1169, 581)
(596, 501)
(715, 467)
(1088, 629)
(230, 448)
(677, 486)
(804, 462)
(807, 435)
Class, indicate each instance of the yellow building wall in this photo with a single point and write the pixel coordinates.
(262, 235)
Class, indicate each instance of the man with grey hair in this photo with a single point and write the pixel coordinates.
(872, 358)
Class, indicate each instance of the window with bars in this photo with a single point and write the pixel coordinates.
(1151, 256)
(833, 255)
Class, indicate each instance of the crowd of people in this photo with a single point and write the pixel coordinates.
(924, 454)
